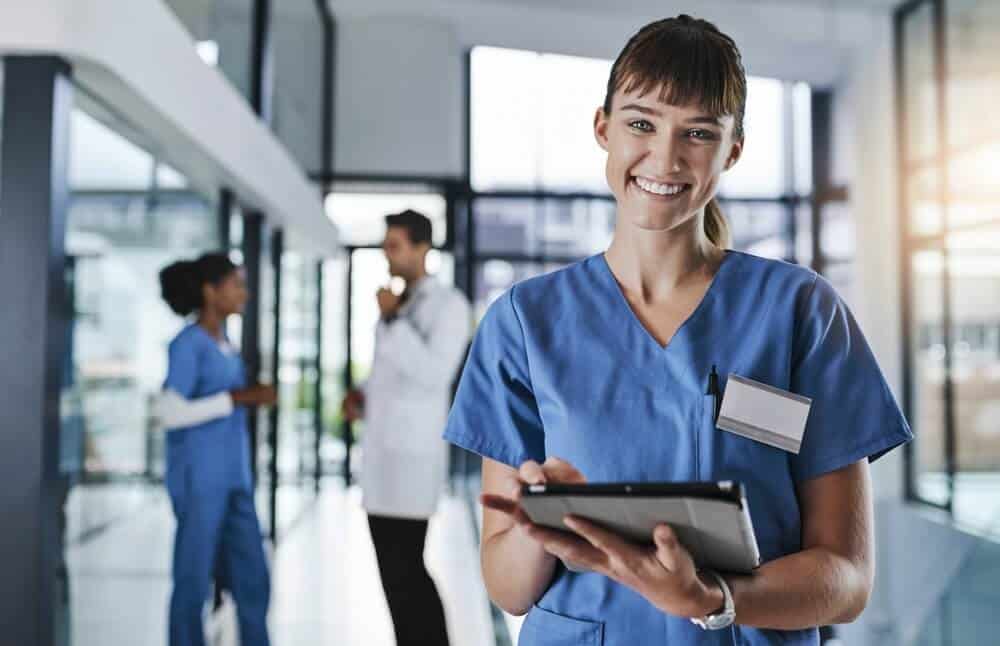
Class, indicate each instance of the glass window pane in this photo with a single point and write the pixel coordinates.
(928, 350)
(100, 158)
(494, 277)
(759, 228)
(803, 233)
(974, 185)
(924, 201)
(760, 172)
(531, 120)
(507, 225)
(837, 238)
(919, 89)
(505, 95)
(974, 265)
(297, 35)
(971, 29)
(332, 448)
(574, 88)
(267, 327)
(802, 120)
(296, 392)
(222, 33)
(841, 276)
(563, 228)
(360, 217)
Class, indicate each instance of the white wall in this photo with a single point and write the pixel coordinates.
(400, 97)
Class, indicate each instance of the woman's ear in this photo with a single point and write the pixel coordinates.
(601, 129)
(734, 154)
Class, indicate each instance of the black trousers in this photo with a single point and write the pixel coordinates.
(417, 613)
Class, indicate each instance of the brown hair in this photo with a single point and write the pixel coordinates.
(690, 61)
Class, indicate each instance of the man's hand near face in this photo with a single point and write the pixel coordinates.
(388, 303)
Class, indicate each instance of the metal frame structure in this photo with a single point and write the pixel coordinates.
(913, 242)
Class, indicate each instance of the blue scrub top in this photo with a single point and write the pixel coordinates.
(213, 455)
(561, 366)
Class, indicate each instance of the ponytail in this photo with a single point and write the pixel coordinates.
(180, 286)
(181, 282)
(716, 227)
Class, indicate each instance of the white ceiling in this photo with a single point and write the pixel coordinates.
(809, 40)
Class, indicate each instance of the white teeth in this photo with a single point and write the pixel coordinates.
(659, 189)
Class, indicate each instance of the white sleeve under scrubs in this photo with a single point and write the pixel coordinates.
(561, 366)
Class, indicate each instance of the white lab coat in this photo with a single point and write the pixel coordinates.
(417, 357)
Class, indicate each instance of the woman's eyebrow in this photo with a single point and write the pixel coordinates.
(643, 109)
(705, 118)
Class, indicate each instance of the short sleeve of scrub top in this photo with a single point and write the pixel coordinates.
(496, 414)
(182, 365)
(853, 415)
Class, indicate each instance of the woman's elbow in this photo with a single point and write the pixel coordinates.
(857, 600)
(511, 608)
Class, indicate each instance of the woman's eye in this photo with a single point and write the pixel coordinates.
(641, 125)
(701, 134)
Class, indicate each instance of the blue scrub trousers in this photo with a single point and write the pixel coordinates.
(221, 524)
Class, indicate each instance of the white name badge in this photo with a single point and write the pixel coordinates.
(764, 413)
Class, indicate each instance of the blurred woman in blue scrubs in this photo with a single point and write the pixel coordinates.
(606, 371)
(204, 407)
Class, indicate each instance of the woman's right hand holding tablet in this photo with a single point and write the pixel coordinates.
(552, 471)
(516, 567)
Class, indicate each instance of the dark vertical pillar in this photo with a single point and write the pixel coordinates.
(944, 186)
(348, 375)
(253, 233)
(274, 414)
(905, 279)
(38, 98)
(791, 202)
(318, 385)
(261, 61)
(224, 218)
(326, 85)
(821, 109)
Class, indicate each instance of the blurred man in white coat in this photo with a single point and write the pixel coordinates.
(420, 342)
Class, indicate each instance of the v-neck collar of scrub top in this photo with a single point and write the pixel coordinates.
(626, 308)
(223, 345)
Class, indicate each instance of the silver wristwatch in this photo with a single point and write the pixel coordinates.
(725, 617)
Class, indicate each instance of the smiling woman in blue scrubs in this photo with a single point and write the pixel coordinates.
(204, 408)
(598, 372)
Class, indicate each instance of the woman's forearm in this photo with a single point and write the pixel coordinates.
(516, 569)
(815, 587)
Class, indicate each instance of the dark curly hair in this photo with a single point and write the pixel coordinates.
(181, 282)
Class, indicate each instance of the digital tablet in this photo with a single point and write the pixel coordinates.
(711, 519)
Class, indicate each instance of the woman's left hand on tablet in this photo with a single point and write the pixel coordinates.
(664, 573)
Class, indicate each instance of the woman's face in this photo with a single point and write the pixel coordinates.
(664, 161)
(229, 296)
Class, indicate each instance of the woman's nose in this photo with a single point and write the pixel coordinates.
(666, 155)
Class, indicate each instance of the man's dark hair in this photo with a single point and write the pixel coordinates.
(417, 225)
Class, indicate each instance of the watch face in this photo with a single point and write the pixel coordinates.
(717, 622)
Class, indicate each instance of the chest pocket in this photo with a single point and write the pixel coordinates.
(547, 628)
